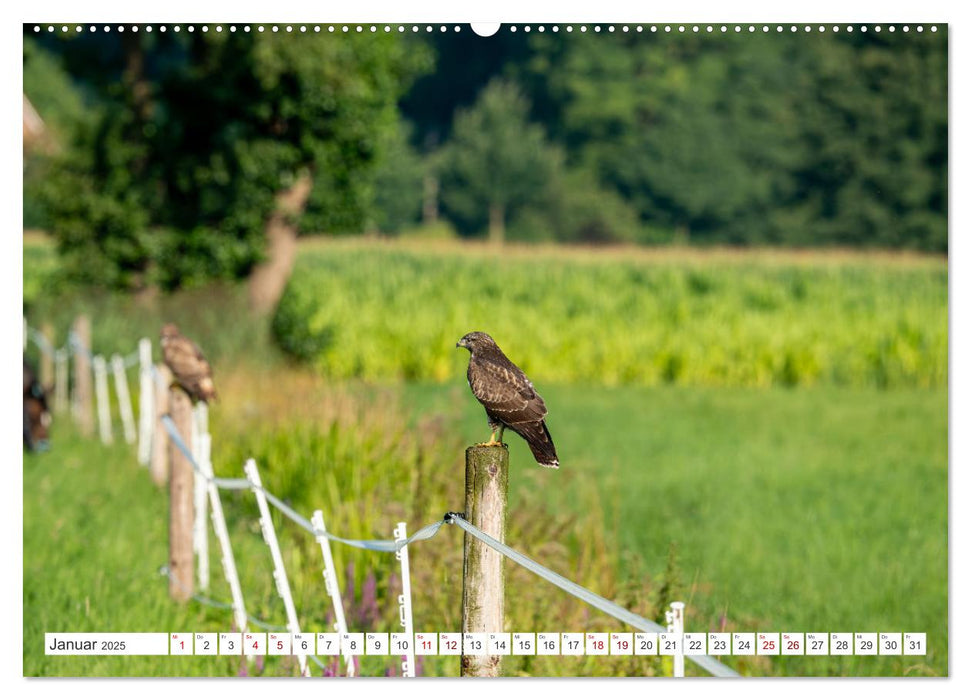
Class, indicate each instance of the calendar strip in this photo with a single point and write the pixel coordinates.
(396, 644)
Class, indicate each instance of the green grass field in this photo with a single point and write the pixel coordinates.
(816, 505)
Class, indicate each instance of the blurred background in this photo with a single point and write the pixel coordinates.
(722, 259)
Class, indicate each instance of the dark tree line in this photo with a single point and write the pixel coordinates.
(174, 150)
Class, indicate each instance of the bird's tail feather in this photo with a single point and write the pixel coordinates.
(537, 436)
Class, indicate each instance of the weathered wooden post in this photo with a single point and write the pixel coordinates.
(181, 510)
(60, 380)
(159, 465)
(82, 375)
(486, 483)
(47, 358)
(146, 401)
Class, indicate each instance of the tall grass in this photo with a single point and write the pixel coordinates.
(395, 314)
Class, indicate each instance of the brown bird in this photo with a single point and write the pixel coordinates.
(189, 367)
(508, 397)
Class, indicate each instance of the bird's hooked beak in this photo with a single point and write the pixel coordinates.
(462, 344)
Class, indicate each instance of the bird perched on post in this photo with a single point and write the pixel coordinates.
(189, 366)
(508, 397)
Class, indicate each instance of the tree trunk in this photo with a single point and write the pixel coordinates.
(497, 223)
(429, 208)
(269, 278)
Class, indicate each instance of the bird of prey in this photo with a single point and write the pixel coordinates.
(189, 367)
(508, 397)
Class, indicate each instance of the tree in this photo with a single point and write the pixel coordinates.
(211, 144)
(496, 159)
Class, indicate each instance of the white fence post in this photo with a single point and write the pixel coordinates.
(146, 401)
(331, 585)
(60, 379)
(404, 601)
(201, 446)
(675, 619)
(228, 561)
(124, 398)
(279, 572)
(101, 394)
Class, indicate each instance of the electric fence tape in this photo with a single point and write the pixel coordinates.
(714, 667)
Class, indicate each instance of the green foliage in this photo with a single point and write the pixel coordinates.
(398, 185)
(386, 314)
(780, 138)
(577, 209)
(173, 183)
(496, 160)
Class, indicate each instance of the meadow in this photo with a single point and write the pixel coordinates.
(812, 498)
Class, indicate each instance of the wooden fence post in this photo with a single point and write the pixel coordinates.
(486, 483)
(82, 375)
(146, 401)
(181, 480)
(159, 465)
(60, 379)
(47, 361)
